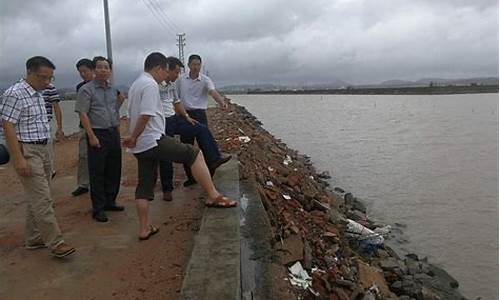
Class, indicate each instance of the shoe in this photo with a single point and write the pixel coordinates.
(35, 246)
(189, 182)
(114, 208)
(62, 250)
(100, 217)
(167, 196)
(79, 191)
(152, 231)
(213, 166)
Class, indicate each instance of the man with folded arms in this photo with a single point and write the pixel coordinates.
(148, 143)
(177, 121)
(98, 106)
(27, 132)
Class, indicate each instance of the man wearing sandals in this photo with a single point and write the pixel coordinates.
(149, 144)
(27, 132)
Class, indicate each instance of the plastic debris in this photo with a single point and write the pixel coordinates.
(244, 139)
(361, 233)
(269, 183)
(270, 169)
(287, 160)
(384, 231)
(286, 197)
(299, 277)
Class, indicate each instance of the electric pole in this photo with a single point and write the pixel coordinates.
(181, 42)
(108, 36)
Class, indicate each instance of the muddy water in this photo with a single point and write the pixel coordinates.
(429, 162)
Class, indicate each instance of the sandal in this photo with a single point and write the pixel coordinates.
(152, 231)
(221, 202)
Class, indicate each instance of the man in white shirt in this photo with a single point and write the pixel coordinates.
(178, 121)
(193, 88)
(149, 144)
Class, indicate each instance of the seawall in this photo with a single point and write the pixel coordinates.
(312, 223)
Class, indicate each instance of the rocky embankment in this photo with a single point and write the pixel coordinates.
(324, 229)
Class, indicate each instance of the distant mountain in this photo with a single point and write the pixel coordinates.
(439, 81)
(242, 88)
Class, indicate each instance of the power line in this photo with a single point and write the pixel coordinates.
(156, 4)
(157, 17)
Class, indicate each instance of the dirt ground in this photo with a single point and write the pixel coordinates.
(110, 262)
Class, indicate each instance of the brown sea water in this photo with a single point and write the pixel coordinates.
(428, 162)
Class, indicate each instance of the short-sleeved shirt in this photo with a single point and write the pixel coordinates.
(168, 96)
(24, 107)
(100, 103)
(78, 86)
(144, 99)
(194, 92)
(50, 95)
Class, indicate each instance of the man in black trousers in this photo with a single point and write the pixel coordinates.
(98, 107)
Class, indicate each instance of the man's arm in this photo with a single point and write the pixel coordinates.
(218, 98)
(58, 114)
(93, 140)
(181, 111)
(20, 164)
(82, 107)
(120, 98)
(130, 141)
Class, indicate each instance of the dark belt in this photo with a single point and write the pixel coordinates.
(109, 129)
(40, 142)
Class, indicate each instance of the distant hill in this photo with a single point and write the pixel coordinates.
(439, 81)
(242, 88)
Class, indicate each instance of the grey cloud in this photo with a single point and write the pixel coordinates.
(360, 41)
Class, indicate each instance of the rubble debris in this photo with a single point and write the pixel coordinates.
(315, 225)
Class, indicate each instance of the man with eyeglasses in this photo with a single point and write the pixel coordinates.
(27, 131)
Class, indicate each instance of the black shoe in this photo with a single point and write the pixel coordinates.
(189, 182)
(114, 208)
(100, 217)
(79, 191)
(213, 166)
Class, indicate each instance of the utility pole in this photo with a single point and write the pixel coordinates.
(181, 42)
(108, 35)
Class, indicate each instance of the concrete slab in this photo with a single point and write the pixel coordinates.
(213, 271)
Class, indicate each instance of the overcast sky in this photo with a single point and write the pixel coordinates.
(260, 41)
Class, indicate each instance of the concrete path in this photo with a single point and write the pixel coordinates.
(214, 268)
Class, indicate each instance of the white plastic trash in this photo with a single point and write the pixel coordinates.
(299, 276)
(244, 139)
(361, 233)
(287, 160)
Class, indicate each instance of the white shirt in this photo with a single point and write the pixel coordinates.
(194, 92)
(168, 96)
(144, 99)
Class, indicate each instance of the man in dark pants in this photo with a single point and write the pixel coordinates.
(98, 107)
(85, 68)
(177, 121)
(193, 88)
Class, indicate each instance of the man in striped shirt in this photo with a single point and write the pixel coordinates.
(52, 99)
(27, 131)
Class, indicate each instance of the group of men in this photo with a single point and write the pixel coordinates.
(160, 105)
